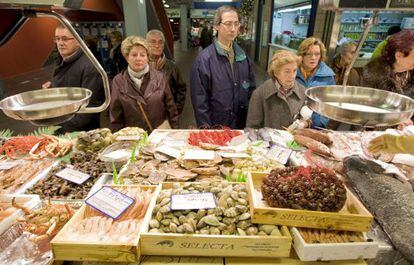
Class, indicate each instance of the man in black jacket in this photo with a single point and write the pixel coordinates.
(74, 69)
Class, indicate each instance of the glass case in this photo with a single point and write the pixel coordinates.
(290, 24)
(352, 23)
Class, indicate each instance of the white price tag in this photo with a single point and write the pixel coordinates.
(196, 154)
(118, 154)
(193, 201)
(279, 154)
(168, 151)
(110, 202)
(234, 155)
(6, 165)
(73, 175)
(128, 138)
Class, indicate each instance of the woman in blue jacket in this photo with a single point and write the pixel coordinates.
(314, 72)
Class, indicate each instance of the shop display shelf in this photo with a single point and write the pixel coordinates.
(170, 244)
(353, 216)
(100, 251)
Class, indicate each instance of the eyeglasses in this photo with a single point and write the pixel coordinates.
(230, 24)
(310, 54)
(156, 43)
(62, 39)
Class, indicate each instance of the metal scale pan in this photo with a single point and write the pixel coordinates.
(364, 106)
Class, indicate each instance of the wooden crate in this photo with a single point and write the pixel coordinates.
(352, 217)
(170, 244)
(288, 261)
(100, 251)
(332, 251)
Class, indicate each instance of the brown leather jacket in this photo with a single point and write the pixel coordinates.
(154, 95)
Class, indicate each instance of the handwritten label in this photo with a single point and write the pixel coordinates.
(193, 201)
(196, 154)
(279, 154)
(128, 138)
(110, 202)
(73, 175)
(234, 155)
(8, 164)
(119, 154)
(168, 151)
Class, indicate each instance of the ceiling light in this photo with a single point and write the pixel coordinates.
(167, 6)
(218, 0)
(171, 20)
(163, 1)
(295, 9)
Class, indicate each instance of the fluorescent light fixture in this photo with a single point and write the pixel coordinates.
(295, 9)
(171, 20)
(218, 0)
(167, 6)
(163, 1)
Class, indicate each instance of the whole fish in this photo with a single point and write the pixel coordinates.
(389, 200)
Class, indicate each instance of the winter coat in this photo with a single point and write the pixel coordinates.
(324, 76)
(219, 95)
(353, 79)
(379, 74)
(177, 85)
(117, 63)
(154, 95)
(78, 71)
(206, 37)
(269, 108)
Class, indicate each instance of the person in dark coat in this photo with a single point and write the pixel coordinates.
(140, 95)
(74, 69)
(116, 60)
(278, 101)
(158, 61)
(221, 78)
(206, 37)
(394, 69)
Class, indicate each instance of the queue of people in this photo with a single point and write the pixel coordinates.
(149, 90)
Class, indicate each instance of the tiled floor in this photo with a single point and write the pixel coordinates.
(35, 79)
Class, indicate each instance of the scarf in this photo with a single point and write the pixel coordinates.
(159, 63)
(137, 77)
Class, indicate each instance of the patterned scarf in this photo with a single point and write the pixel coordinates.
(137, 77)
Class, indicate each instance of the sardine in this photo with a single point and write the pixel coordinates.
(389, 200)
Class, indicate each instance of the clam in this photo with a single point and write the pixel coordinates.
(210, 220)
(154, 223)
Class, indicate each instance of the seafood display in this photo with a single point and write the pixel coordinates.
(36, 147)
(129, 131)
(94, 140)
(11, 180)
(96, 227)
(390, 201)
(307, 188)
(316, 236)
(212, 137)
(230, 217)
(58, 188)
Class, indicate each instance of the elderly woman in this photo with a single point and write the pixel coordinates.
(158, 61)
(341, 60)
(314, 72)
(140, 96)
(276, 103)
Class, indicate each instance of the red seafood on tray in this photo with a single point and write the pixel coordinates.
(212, 137)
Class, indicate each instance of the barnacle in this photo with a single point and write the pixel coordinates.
(308, 188)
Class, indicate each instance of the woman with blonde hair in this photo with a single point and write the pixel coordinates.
(278, 101)
(140, 96)
(314, 71)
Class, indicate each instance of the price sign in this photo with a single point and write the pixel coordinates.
(193, 201)
(168, 151)
(196, 154)
(73, 175)
(279, 154)
(128, 138)
(110, 202)
(6, 165)
(118, 154)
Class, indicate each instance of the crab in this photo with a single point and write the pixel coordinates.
(50, 146)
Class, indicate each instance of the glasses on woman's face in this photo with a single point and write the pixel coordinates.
(230, 25)
(62, 39)
(312, 54)
(155, 43)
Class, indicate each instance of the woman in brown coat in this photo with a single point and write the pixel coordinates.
(140, 96)
(279, 100)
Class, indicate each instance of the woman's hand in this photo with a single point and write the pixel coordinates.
(47, 84)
